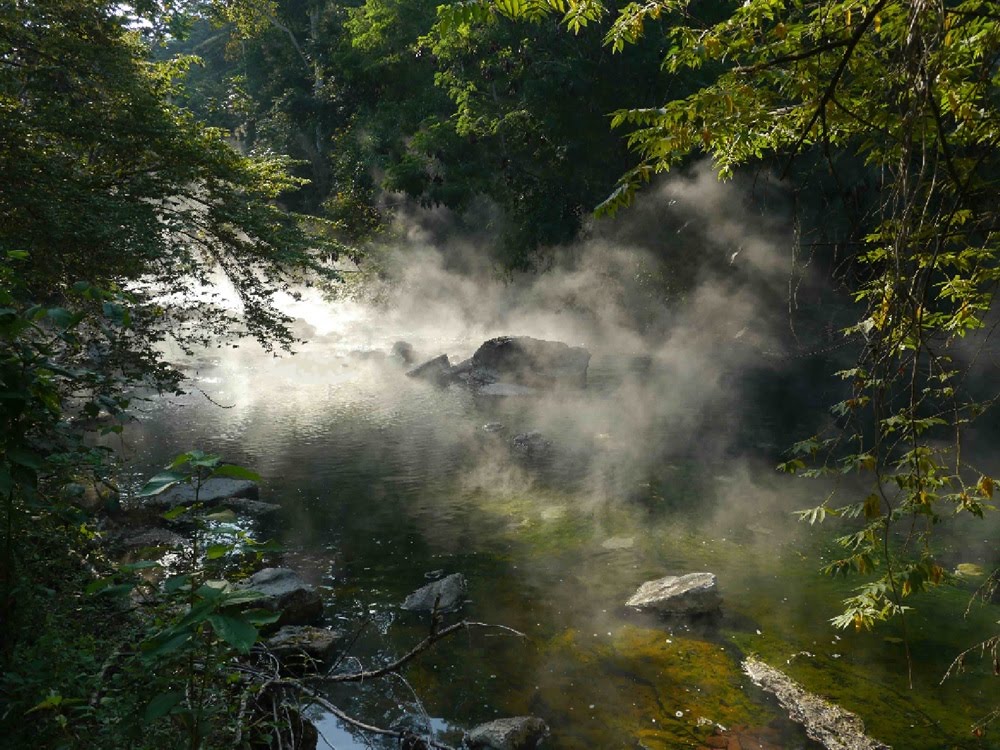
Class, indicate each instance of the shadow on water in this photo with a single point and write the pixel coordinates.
(385, 481)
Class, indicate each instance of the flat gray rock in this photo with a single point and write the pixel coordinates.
(212, 492)
(514, 733)
(434, 370)
(151, 538)
(245, 507)
(304, 646)
(284, 591)
(691, 594)
(832, 726)
(447, 593)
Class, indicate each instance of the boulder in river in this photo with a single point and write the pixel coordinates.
(404, 350)
(284, 591)
(691, 594)
(444, 595)
(433, 370)
(514, 733)
(242, 506)
(531, 362)
(304, 646)
(213, 491)
(832, 726)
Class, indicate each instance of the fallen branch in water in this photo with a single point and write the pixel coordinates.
(413, 653)
(270, 678)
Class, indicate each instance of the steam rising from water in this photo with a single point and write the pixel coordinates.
(664, 463)
(683, 301)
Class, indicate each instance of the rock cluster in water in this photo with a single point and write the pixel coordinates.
(511, 366)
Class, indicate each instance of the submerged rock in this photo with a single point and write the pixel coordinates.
(514, 733)
(493, 427)
(832, 726)
(284, 591)
(531, 445)
(691, 594)
(506, 389)
(212, 493)
(532, 362)
(444, 595)
(432, 370)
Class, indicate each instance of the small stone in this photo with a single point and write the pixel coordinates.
(515, 733)
(445, 595)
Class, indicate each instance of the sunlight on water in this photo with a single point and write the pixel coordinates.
(384, 479)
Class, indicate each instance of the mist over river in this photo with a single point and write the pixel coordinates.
(662, 465)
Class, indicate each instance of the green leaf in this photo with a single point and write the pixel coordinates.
(161, 705)
(174, 583)
(235, 631)
(161, 482)
(215, 551)
(222, 516)
(260, 617)
(168, 642)
(64, 318)
(241, 596)
(175, 513)
(26, 458)
(235, 472)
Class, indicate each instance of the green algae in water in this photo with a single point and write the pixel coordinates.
(639, 687)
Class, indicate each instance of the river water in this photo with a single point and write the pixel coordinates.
(386, 481)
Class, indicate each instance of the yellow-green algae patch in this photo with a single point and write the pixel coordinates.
(655, 690)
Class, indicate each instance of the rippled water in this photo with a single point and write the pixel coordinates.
(385, 480)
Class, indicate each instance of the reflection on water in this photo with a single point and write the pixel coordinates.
(384, 479)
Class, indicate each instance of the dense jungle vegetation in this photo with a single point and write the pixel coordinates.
(146, 146)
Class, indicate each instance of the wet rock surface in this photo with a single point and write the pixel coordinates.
(530, 362)
(141, 538)
(246, 507)
(691, 594)
(404, 350)
(445, 595)
(433, 370)
(303, 647)
(514, 733)
(212, 493)
(531, 445)
(284, 591)
(830, 725)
